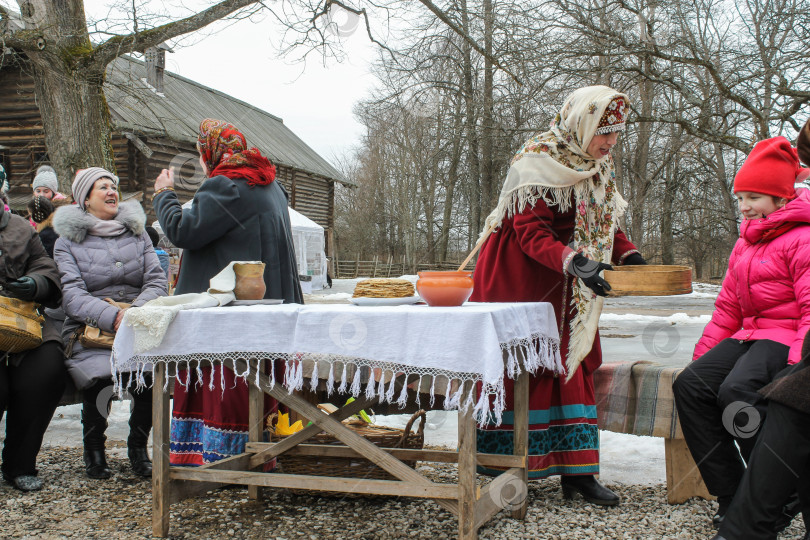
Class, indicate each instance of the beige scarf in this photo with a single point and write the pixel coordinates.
(554, 165)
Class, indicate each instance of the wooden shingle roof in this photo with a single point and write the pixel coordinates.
(176, 113)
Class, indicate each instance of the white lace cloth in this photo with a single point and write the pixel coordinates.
(474, 342)
(150, 321)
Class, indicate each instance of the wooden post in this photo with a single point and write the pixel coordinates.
(467, 489)
(390, 260)
(357, 266)
(374, 272)
(160, 454)
(256, 421)
(331, 252)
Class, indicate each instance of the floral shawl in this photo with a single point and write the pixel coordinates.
(555, 165)
(225, 152)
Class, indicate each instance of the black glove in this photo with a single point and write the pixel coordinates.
(588, 271)
(633, 259)
(24, 288)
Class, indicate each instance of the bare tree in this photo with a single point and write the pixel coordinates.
(69, 68)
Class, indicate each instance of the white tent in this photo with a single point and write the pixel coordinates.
(309, 249)
(308, 239)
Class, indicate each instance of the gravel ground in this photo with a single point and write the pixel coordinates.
(72, 505)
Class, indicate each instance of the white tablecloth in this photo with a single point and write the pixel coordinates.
(474, 342)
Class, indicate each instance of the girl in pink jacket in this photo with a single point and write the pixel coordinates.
(760, 319)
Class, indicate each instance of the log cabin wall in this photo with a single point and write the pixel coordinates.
(22, 139)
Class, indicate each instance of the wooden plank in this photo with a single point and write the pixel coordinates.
(492, 495)
(161, 484)
(403, 454)
(330, 425)
(185, 489)
(319, 483)
(256, 421)
(307, 433)
(521, 435)
(467, 495)
(683, 476)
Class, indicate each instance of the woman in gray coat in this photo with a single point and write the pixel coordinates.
(104, 252)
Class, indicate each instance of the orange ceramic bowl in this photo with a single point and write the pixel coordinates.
(445, 288)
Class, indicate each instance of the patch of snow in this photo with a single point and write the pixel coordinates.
(676, 318)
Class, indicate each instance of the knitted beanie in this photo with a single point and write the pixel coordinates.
(771, 168)
(46, 179)
(83, 183)
(803, 144)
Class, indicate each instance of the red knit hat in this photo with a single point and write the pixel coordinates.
(771, 168)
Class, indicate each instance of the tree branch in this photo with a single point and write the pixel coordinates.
(24, 40)
(114, 47)
(453, 26)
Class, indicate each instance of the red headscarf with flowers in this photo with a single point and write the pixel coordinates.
(225, 152)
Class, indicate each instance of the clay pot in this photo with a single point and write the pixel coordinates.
(249, 281)
(451, 288)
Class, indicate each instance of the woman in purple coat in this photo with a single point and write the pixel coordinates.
(104, 252)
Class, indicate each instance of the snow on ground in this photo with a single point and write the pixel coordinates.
(662, 329)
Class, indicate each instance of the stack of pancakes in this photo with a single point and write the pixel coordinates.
(383, 288)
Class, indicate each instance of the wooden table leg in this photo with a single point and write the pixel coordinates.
(255, 422)
(521, 435)
(467, 446)
(160, 454)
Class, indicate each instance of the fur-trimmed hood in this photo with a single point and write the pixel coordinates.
(45, 223)
(73, 223)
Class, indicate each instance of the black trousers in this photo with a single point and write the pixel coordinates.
(96, 401)
(718, 404)
(29, 395)
(778, 468)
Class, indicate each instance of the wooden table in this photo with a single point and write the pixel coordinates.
(472, 505)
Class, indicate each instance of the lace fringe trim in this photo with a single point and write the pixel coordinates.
(532, 354)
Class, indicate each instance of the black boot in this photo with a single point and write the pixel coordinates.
(723, 504)
(95, 464)
(139, 459)
(140, 423)
(590, 489)
(94, 424)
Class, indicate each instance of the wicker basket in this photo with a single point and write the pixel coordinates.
(356, 467)
(649, 280)
(20, 325)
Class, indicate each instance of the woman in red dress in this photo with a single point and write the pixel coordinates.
(556, 228)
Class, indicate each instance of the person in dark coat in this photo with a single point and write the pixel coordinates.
(104, 253)
(780, 462)
(239, 213)
(41, 211)
(31, 382)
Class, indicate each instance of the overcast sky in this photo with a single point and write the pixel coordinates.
(315, 101)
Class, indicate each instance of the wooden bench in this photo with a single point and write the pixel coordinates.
(636, 398)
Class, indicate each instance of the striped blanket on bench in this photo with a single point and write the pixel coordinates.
(636, 398)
